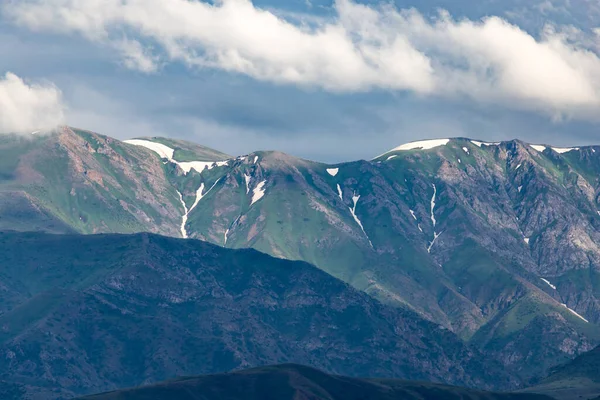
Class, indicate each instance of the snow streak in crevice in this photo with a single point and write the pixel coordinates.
(184, 217)
(575, 313)
(199, 197)
(352, 209)
(433, 220)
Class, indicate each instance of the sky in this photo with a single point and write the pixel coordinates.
(325, 80)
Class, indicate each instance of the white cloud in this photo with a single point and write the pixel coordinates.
(25, 108)
(362, 48)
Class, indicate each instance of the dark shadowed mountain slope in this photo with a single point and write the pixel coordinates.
(295, 382)
(577, 379)
(89, 313)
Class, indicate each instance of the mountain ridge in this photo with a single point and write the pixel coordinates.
(495, 242)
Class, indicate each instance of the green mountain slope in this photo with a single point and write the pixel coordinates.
(89, 313)
(496, 242)
(293, 382)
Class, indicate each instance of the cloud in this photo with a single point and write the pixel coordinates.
(28, 107)
(362, 48)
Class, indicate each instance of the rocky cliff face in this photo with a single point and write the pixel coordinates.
(496, 242)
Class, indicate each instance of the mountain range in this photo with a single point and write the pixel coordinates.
(495, 243)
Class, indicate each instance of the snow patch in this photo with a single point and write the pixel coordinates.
(199, 166)
(435, 236)
(549, 284)
(575, 313)
(520, 187)
(255, 159)
(413, 214)
(339, 189)
(433, 220)
(247, 179)
(167, 152)
(258, 192)
(355, 199)
(479, 144)
(333, 171)
(184, 217)
(422, 145)
(526, 240)
(225, 238)
(433, 205)
(518, 166)
(199, 196)
(419, 226)
(564, 149)
(459, 161)
(159, 148)
(466, 150)
(390, 157)
(537, 147)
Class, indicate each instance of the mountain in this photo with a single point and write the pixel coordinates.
(294, 382)
(89, 313)
(577, 379)
(497, 242)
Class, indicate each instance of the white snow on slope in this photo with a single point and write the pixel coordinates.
(413, 214)
(433, 205)
(226, 233)
(526, 240)
(549, 284)
(167, 152)
(518, 166)
(340, 192)
(332, 171)
(479, 144)
(433, 220)
(258, 192)
(199, 166)
(564, 149)
(391, 157)
(255, 159)
(199, 194)
(184, 217)
(247, 179)
(466, 150)
(538, 147)
(520, 188)
(355, 198)
(575, 313)
(422, 145)
(435, 236)
(199, 197)
(459, 161)
(162, 150)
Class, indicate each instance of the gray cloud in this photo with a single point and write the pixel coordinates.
(361, 48)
